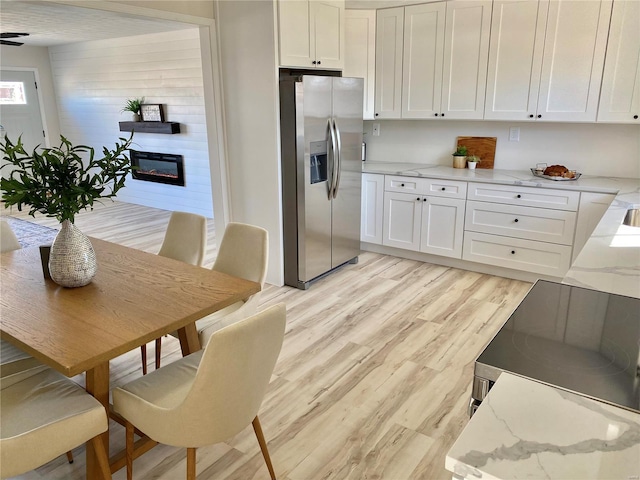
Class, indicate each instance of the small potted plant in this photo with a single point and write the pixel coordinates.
(473, 161)
(60, 182)
(460, 157)
(133, 106)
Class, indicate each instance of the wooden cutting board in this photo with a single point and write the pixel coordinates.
(484, 147)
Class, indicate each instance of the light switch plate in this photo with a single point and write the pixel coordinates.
(514, 134)
(376, 129)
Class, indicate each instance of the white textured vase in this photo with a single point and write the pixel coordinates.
(72, 262)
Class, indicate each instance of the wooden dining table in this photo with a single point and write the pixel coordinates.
(134, 298)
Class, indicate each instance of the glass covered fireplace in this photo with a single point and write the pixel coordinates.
(158, 167)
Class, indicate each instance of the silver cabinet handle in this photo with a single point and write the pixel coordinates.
(339, 156)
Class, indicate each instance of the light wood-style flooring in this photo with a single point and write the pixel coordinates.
(374, 376)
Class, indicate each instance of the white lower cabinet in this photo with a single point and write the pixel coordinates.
(424, 223)
(516, 253)
(372, 208)
(442, 226)
(523, 228)
(555, 226)
(528, 229)
(402, 217)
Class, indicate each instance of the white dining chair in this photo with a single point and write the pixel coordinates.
(185, 240)
(43, 414)
(8, 239)
(208, 396)
(243, 253)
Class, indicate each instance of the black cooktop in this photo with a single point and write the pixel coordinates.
(575, 338)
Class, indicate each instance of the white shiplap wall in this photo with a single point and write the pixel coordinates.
(94, 79)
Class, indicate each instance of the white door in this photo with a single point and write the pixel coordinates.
(389, 33)
(372, 208)
(515, 59)
(573, 59)
(442, 226)
(466, 52)
(620, 97)
(327, 33)
(20, 108)
(360, 53)
(402, 220)
(422, 63)
(295, 39)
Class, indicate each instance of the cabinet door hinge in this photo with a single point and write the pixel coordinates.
(36, 84)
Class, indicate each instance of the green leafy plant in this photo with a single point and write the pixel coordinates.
(133, 105)
(57, 181)
(461, 151)
(473, 159)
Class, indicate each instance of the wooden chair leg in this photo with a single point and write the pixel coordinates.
(102, 457)
(191, 464)
(143, 353)
(129, 440)
(158, 350)
(263, 446)
(70, 456)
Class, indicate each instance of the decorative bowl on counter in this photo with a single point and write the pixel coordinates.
(537, 173)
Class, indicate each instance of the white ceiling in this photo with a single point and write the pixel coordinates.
(54, 24)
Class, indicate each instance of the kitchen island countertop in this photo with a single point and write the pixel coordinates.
(609, 261)
(525, 429)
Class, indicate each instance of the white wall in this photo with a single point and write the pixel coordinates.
(37, 58)
(251, 110)
(93, 81)
(592, 149)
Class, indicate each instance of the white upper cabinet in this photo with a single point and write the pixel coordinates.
(311, 33)
(360, 53)
(466, 47)
(422, 60)
(546, 59)
(573, 59)
(431, 60)
(388, 87)
(515, 59)
(620, 97)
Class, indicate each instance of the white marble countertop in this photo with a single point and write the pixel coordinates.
(525, 429)
(609, 261)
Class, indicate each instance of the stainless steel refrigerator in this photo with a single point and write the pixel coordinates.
(321, 141)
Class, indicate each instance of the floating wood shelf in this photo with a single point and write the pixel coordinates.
(150, 127)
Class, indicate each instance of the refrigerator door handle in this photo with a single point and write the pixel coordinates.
(339, 156)
(332, 156)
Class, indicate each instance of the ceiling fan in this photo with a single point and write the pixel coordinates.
(3, 36)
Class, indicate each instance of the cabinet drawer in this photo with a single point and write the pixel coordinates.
(537, 257)
(393, 183)
(426, 186)
(525, 196)
(555, 226)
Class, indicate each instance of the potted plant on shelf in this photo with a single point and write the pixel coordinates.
(133, 106)
(460, 157)
(59, 182)
(473, 161)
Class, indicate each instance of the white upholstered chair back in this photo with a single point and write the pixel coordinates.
(221, 398)
(185, 238)
(244, 252)
(8, 239)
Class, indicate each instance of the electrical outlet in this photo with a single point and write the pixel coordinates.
(514, 134)
(376, 129)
